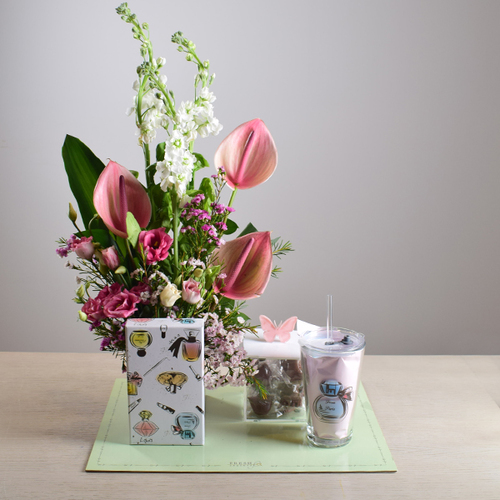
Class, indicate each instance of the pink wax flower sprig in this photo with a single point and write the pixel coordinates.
(169, 247)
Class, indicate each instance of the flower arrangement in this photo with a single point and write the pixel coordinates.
(160, 250)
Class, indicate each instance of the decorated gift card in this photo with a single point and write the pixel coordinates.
(165, 381)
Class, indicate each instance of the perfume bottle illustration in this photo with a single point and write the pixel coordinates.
(145, 427)
(163, 330)
(184, 321)
(172, 381)
(185, 424)
(141, 339)
(134, 380)
(191, 346)
(332, 405)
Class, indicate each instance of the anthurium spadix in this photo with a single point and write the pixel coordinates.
(248, 155)
(117, 192)
(246, 263)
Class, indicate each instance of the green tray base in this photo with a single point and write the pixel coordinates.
(233, 444)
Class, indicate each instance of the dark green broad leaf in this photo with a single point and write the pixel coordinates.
(83, 169)
(249, 229)
(231, 227)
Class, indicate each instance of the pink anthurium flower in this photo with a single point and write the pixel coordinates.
(117, 192)
(248, 155)
(246, 263)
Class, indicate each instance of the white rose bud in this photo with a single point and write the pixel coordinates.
(169, 295)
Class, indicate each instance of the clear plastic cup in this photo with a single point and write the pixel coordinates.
(331, 365)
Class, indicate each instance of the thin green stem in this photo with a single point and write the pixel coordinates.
(147, 159)
(164, 91)
(175, 216)
(232, 197)
(233, 194)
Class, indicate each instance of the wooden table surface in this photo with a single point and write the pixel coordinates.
(440, 416)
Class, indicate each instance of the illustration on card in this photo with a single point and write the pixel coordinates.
(332, 405)
(173, 381)
(134, 380)
(134, 405)
(185, 424)
(195, 373)
(165, 407)
(141, 339)
(191, 346)
(155, 365)
(163, 331)
(145, 427)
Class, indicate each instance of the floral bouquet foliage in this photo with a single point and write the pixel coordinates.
(159, 250)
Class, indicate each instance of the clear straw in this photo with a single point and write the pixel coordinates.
(329, 318)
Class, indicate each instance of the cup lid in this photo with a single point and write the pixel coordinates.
(340, 340)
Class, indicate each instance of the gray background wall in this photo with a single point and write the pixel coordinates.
(386, 116)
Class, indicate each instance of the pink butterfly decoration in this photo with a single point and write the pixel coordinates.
(282, 331)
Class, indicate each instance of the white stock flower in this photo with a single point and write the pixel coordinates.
(206, 95)
(177, 168)
(153, 113)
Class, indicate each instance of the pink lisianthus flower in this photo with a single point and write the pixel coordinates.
(120, 305)
(156, 244)
(93, 309)
(191, 291)
(140, 289)
(109, 291)
(83, 247)
(110, 258)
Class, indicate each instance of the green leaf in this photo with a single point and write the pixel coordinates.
(249, 229)
(99, 236)
(201, 162)
(122, 246)
(231, 227)
(160, 151)
(133, 229)
(83, 169)
(227, 303)
(207, 187)
(210, 275)
(135, 173)
(198, 164)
